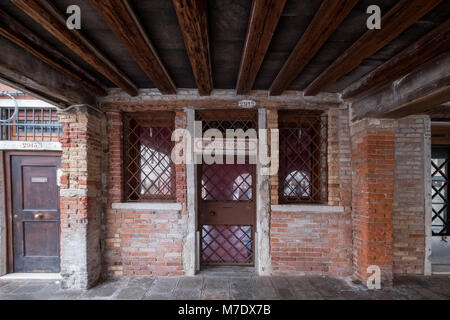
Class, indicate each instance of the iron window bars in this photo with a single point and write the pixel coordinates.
(303, 157)
(440, 164)
(32, 124)
(149, 170)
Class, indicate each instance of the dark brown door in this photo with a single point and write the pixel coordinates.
(35, 213)
(227, 214)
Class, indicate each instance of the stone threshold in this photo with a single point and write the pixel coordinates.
(31, 276)
(440, 269)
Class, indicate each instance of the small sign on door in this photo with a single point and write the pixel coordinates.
(39, 180)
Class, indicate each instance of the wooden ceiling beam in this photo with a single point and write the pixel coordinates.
(122, 20)
(44, 13)
(404, 14)
(328, 18)
(429, 46)
(264, 18)
(424, 88)
(193, 20)
(17, 33)
(23, 71)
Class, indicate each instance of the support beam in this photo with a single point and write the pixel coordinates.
(423, 103)
(425, 87)
(264, 17)
(21, 70)
(44, 13)
(122, 20)
(152, 100)
(404, 14)
(16, 32)
(429, 46)
(327, 19)
(193, 19)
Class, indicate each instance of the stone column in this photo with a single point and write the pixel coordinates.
(263, 210)
(81, 197)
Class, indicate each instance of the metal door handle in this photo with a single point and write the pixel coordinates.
(212, 213)
(38, 216)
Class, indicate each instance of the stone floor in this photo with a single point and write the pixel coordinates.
(225, 287)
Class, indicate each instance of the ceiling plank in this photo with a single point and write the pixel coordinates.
(122, 20)
(44, 13)
(17, 33)
(436, 128)
(193, 20)
(264, 18)
(23, 71)
(429, 46)
(327, 19)
(440, 140)
(404, 14)
(424, 88)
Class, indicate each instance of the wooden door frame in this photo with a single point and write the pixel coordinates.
(8, 199)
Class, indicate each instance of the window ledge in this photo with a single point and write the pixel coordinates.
(312, 208)
(150, 206)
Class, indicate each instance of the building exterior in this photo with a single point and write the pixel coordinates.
(92, 191)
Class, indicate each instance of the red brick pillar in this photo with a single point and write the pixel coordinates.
(112, 256)
(373, 164)
(81, 197)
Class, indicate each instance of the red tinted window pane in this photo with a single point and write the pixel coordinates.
(222, 182)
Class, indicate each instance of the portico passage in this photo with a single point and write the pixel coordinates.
(350, 125)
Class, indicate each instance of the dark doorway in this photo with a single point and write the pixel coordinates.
(35, 213)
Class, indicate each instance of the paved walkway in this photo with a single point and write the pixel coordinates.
(232, 287)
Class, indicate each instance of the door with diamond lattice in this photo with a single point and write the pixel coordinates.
(227, 214)
(227, 209)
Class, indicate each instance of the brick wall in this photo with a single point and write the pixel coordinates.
(81, 197)
(318, 243)
(385, 173)
(373, 144)
(141, 242)
(408, 207)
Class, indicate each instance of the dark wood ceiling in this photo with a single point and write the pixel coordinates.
(228, 23)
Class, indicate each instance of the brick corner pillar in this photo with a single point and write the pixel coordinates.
(113, 265)
(373, 166)
(81, 197)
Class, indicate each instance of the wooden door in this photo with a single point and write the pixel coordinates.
(35, 213)
(227, 214)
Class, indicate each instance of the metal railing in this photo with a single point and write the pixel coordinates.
(31, 124)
